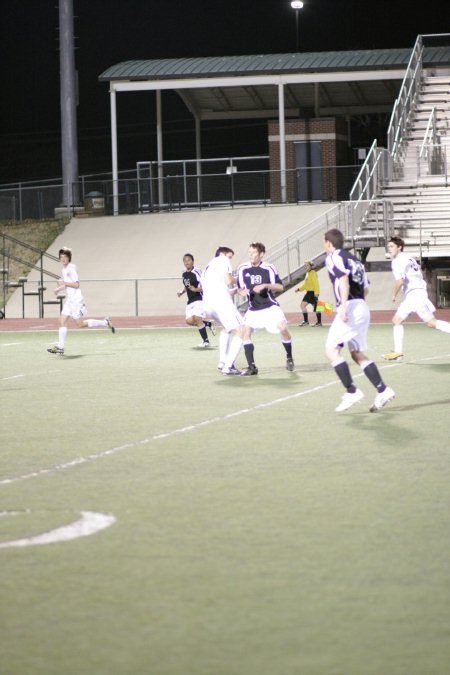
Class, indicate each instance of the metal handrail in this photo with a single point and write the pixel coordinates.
(429, 136)
(367, 170)
(405, 100)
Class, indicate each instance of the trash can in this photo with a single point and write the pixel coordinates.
(94, 202)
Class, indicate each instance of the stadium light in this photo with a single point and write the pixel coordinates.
(297, 5)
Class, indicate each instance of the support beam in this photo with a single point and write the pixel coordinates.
(281, 125)
(159, 144)
(68, 103)
(115, 160)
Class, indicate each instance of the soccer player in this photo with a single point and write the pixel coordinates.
(310, 284)
(408, 277)
(195, 314)
(259, 280)
(351, 323)
(218, 284)
(73, 306)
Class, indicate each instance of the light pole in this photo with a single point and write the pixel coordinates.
(297, 5)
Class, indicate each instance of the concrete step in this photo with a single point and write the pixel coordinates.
(407, 197)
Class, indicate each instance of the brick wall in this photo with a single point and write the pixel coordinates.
(332, 134)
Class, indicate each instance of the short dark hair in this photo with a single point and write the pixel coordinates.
(398, 242)
(189, 255)
(335, 237)
(259, 246)
(224, 249)
(65, 251)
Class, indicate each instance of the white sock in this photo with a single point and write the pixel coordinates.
(96, 323)
(444, 326)
(399, 332)
(224, 341)
(62, 332)
(233, 351)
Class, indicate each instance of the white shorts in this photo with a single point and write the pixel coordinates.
(224, 312)
(75, 309)
(269, 318)
(354, 330)
(418, 302)
(195, 309)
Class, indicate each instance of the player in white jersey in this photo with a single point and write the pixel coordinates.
(408, 278)
(216, 280)
(73, 307)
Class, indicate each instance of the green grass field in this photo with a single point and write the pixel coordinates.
(256, 531)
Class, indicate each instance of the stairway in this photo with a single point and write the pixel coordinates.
(420, 192)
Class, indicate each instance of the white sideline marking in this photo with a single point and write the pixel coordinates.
(192, 427)
(89, 523)
(12, 377)
(11, 344)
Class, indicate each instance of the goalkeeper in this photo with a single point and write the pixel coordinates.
(310, 284)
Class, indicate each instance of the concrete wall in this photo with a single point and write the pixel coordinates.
(151, 246)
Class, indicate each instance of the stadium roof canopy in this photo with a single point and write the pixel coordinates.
(322, 84)
(330, 83)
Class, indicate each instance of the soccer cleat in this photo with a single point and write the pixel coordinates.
(230, 371)
(313, 325)
(204, 344)
(304, 323)
(290, 365)
(55, 350)
(212, 327)
(349, 399)
(393, 356)
(381, 399)
(109, 324)
(251, 370)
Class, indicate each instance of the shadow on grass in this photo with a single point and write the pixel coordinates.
(313, 367)
(290, 380)
(436, 367)
(67, 357)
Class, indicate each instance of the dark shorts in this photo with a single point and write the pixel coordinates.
(310, 298)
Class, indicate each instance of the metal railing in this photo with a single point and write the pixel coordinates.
(7, 242)
(292, 252)
(174, 192)
(403, 111)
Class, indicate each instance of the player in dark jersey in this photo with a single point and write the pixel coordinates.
(195, 314)
(259, 280)
(351, 323)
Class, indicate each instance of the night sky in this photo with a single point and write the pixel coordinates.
(110, 31)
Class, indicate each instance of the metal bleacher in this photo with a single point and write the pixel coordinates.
(411, 176)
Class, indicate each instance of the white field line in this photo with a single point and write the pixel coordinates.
(169, 434)
(89, 523)
(175, 432)
(12, 377)
(192, 427)
(92, 522)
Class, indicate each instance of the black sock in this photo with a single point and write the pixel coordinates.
(343, 373)
(249, 349)
(288, 347)
(204, 334)
(305, 317)
(207, 324)
(371, 371)
(319, 318)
